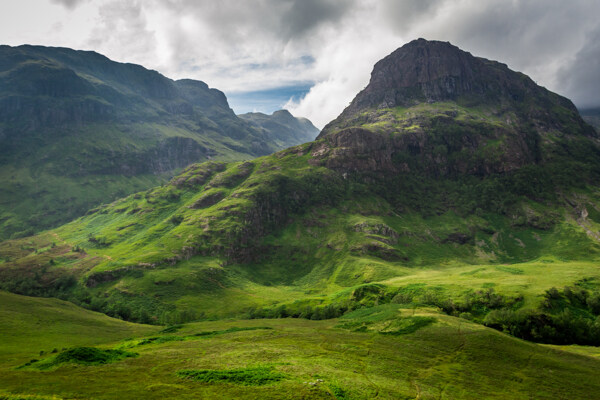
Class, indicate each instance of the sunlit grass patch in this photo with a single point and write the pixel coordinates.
(385, 319)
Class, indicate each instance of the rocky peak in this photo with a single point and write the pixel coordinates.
(433, 108)
(425, 71)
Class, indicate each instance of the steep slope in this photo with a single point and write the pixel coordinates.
(77, 129)
(282, 125)
(477, 213)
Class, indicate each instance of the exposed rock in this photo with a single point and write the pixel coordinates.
(208, 200)
(458, 237)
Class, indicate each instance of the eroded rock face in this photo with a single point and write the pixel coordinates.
(360, 150)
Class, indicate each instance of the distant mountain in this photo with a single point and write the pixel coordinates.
(591, 116)
(282, 125)
(77, 129)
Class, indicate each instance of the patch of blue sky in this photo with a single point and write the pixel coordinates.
(266, 101)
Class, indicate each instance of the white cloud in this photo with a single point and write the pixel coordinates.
(241, 46)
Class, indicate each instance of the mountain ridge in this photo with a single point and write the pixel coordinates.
(77, 129)
(282, 122)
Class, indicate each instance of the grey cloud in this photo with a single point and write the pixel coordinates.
(70, 4)
(402, 15)
(122, 25)
(280, 20)
(305, 15)
(253, 45)
(581, 78)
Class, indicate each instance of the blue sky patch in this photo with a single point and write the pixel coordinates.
(266, 101)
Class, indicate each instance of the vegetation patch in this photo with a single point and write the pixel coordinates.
(27, 397)
(407, 325)
(160, 339)
(230, 330)
(510, 270)
(339, 392)
(567, 316)
(250, 376)
(80, 355)
(385, 319)
(172, 328)
(204, 334)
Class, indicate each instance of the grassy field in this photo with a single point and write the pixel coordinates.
(30, 325)
(447, 358)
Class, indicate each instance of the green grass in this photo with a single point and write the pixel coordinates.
(386, 319)
(450, 357)
(79, 355)
(30, 326)
(250, 376)
(195, 336)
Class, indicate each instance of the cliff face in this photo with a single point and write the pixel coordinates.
(432, 107)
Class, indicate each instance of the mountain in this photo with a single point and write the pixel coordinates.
(591, 116)
(282, 125)
(473, 191)
(77, 130)
(442, 111)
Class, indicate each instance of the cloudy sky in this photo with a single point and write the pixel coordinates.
(313, 56)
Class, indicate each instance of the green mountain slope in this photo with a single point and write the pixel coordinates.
(478, 210)
(77, 130)
(423, 355)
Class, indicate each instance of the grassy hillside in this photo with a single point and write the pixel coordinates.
(35, 326)
(405, 353)
(279, 236)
